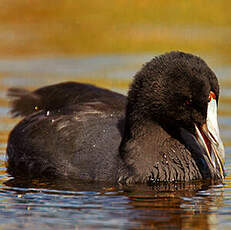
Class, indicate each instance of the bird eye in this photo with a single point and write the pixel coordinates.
(188, 101)
(212, 95)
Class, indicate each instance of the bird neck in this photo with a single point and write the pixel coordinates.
(142, 148)
(141, 138)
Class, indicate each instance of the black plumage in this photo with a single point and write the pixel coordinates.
(86, 133)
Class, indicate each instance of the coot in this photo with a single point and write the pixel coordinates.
(164, 130)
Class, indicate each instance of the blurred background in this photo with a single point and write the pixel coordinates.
(76, 39)
(105, 43)
(49, 34)
(30, 28)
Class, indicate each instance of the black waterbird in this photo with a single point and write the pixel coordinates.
(164, 130)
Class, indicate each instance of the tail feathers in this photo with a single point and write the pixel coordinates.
(23, 102)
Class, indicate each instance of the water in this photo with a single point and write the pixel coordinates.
(44, 204)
